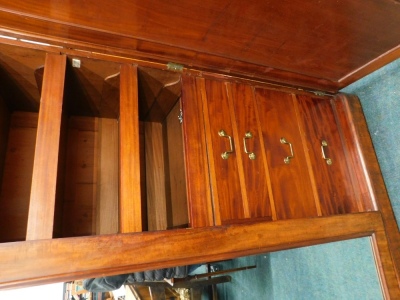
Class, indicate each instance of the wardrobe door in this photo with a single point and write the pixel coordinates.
(222, 150)
(327, 156)
(291, 185)
(252, 155)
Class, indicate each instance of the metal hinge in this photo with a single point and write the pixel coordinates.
(180, 116)
(174, 67)
(319, 93)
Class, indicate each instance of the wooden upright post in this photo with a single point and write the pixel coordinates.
(130, 206)
(44, 178)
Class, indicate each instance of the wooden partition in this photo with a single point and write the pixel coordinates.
(43, 189)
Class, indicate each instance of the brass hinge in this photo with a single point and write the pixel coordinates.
(174, 67)
(180, 116)
(319, 93)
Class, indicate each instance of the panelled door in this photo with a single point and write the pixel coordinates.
(291, 183)
(250, 151)
(328, 158)
(238, 173)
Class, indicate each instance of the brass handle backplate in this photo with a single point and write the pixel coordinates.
(248, 135)
(225, 155)
(327, 159)
(287, 158)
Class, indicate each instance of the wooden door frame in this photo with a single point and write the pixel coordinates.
(54, 260)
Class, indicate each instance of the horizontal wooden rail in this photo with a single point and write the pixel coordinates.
(38, 262)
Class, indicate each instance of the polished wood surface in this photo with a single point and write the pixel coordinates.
(333, 182)
(369, 164)
(195, 151)
(255, 180)
(314, 44)
(71, 258)
(43, 188)
(226, 185)
(351, 128)
(130, 200)
(101, 92)
(291, 183)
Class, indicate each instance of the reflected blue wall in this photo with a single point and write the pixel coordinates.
(341, 270)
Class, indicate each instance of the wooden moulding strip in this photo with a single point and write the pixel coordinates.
(44, 176)
(39, 262)
(130, 203)
(374, 180)
(385, 263)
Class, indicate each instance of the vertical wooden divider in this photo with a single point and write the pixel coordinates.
(44, 176)
(130, 204)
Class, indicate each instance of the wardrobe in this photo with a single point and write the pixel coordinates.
(129, 145)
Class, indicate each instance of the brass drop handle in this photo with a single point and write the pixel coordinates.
(288, 158)
(225, 155)
(248, 135)
(327, 159)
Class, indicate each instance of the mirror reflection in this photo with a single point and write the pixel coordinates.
(340, 270)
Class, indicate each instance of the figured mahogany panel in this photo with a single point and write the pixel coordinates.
(332, 177)
(272, 35)
(195, 151)
(255, 177)
(291, 184)
(227, 190)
